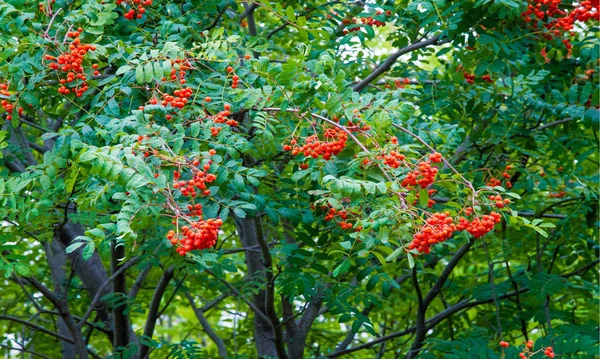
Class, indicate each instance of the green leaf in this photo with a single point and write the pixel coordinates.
(123, 69)
(23, 269)
(423, 198)
(139, 74)
(88, 251)
(148, 72)
(395, 254)
(342, 268)
(240, 213)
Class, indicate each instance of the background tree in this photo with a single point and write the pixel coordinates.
(199, 179)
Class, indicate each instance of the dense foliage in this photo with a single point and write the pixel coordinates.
(202, 179)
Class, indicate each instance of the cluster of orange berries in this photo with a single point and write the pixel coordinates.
(493, 182)
(137, 9)
(424, 175)
(335, 142)
(527, 351)
(343, 214)
(46, 6)
(235, 79)
(560, 194)
(498, 201)
(401, 83)
(371, 21)
(221, 117)
(181, 96)
(392, 159)
(469, 77)
(201, 234)
(487, 78)
(199, 181)
(437, 229)
(71, 63)
(560, 21)
(180, 99)
(6, 104)
(479, 226)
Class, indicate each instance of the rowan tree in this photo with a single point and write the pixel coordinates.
(299, 179)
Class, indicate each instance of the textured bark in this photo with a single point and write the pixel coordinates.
(91, 272)
(57, 261)
(263, 331)
(121, 319)
(154, 307)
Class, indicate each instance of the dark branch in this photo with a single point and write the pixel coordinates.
(207, 327)
(154, 306)
(387, 64)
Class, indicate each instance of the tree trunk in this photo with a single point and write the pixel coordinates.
(58, 261)
(263, 332)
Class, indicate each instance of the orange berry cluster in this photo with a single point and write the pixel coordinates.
(221, 117)
(181, 96)
(469, 77)
(370, 21)
(71, 63)
(479, 226)
(560, 194)
(559, 20)
(46, 7)
(343, 214)
(487, 78)
(393, 159)
(423, 176)
(401, 83)
(235, 79)
(335, 142)
(137, 9)
(498, 201)
(493, 182)
(437, 229)
(6, 104)
(199, 181)
(201, 234)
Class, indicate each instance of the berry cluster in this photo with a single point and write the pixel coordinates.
(137, 9)
(479, 226)
(469, 77)
(528, 350)
(423, 176)
(487, 78)
(46, 7)
(400, 83)
(71, 64)
(181, 96)
(392, 159)
(558, 20)
(201, 234)
(6, 104)
(332, 213)
(498, 201)
(370, 21)
(334, 143)
(560, 194)
(437, 229)
(221, 117)
(493, 182)
(199, 181)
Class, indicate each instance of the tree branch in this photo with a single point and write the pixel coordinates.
(387, 64)
(206, 326)
(154, 306)
(99, 292)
